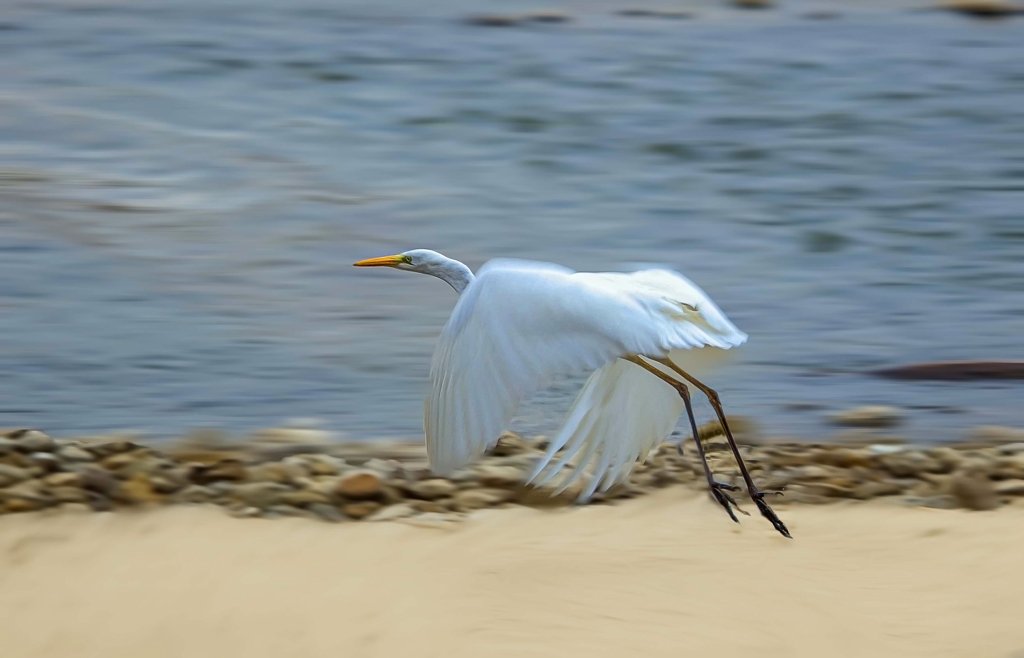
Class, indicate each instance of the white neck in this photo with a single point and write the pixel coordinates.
(452, 272)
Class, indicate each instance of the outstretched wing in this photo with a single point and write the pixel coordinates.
(519, 325)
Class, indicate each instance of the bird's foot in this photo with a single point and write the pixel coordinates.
(768, 513)
(719, 493)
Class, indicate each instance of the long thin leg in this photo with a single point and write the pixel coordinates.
(755, 494)
(718, 489)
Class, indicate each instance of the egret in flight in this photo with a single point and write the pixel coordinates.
(519, 325)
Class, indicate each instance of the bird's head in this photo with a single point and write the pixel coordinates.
(425, 261)
(417, 260)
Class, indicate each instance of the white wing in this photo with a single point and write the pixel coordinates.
(622, 413)
(519, 325)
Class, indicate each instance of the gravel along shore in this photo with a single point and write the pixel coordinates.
(294, 473)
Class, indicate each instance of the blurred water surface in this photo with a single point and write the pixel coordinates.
(184, 185)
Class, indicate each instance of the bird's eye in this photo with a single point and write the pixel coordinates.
(407, 259)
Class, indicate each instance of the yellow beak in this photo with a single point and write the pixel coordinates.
(383, 261)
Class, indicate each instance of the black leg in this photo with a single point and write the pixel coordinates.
(755, 494)
(717, 489)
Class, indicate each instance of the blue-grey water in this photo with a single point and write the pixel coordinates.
(184, 185)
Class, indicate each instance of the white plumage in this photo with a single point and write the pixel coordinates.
(519, 325)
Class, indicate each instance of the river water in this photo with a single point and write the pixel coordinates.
(184, 185)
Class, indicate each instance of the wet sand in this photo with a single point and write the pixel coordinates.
(663, 575)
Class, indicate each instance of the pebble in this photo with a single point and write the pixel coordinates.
(258, 494)
(327, 512)
(869, 416)
(231, 470)
(7, 446)
(12, 475)
(499, 476)
(360, 484)
(474, 499)
(33, 441)
(432, 489)
(973, 492)
(361, 509)
(1010, 488)
(392, 512)
(196, 494)
(75, 454)
(137, 491)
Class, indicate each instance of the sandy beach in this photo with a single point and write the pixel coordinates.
(662, 575)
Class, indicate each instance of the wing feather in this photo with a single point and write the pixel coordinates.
(519, 325)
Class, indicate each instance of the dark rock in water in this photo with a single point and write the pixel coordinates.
(982, 8)
(822, 14)
(493, 20)
(955, 370)
(547, 17)
(656, 13)
(752, 4)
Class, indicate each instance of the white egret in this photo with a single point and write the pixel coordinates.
(518, 325)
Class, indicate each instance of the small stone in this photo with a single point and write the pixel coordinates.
(327, 512)
(63, 480)
(432, 489)
(12, 475)
(244, 512)
(869, 416)
(1010, 488)
(285, 511)
(547, 495)
(280, 472)
(98, 480)
(324, 464)
(443, 505)
(1011, 449)
(119, 461)
(7, 446)
(230, 470)
(137, 491)
(909, 463)
(499, 476)
(752, 4)
(973, 492)
(196, 494)
(75, 454)
(869, 490)
(303, 498)
(392, 512)
(25, 496)
(46, 461)
(15, 505)
(359, 484)
(361, 509)
(474, 499)
(259, 494)
(108, 447)
(509, 444)
(386, 468)
(844, 458)
(32, 441)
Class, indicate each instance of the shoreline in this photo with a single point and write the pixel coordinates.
(296, 473)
